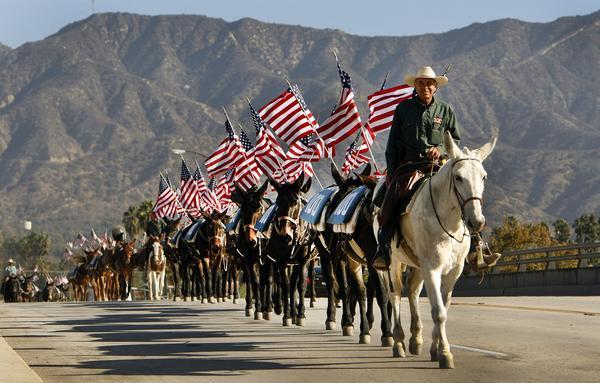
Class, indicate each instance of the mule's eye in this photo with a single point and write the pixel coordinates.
(458, 178)
(484, 178)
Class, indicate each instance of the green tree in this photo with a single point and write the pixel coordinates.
(586, 228)
(515, 235)
(29, 251)
(135, 218)
(562, 231)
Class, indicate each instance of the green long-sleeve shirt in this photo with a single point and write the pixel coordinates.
(416, 128)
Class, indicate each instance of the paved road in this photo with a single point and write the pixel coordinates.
(522, 339)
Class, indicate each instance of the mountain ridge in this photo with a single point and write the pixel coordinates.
(88, 115)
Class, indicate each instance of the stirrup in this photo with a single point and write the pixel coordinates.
(482, 258)
(381, 261)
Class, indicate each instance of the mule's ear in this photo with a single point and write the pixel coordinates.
(306, 186)
(263, 188)
(298, 183)
(337, 177)
(451, 148)
(367, 170)
(486, 149)
(235, 196)
(205, 215)
(220, 216)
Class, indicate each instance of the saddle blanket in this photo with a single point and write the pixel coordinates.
(233, 222)
(175, 239)
(314, 211)
(265, 220)
(193, 230)
(345, 215)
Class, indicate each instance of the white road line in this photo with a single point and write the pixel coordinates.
(473, 349)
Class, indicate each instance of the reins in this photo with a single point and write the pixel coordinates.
(461, 201)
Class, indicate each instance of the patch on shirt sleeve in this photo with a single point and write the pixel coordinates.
(437, 120)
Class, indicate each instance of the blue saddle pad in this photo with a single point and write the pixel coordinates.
(175, 238)
(233, 222)
(313, 209)
(263, 223)
(193, 229)
(344, 211)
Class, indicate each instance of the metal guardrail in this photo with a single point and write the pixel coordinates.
(585, 255)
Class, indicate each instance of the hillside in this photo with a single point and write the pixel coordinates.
(88, 115)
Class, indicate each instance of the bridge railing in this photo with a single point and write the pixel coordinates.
(550, 258)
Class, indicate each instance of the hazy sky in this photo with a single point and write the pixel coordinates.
(30, 20)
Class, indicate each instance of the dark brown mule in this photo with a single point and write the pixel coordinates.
(125, 263)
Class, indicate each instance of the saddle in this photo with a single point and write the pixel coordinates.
(405, 181)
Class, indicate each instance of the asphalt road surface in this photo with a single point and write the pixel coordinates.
(516, 339)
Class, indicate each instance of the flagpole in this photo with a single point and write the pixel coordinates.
(314, 171)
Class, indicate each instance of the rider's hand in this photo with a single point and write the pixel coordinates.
(434, 154)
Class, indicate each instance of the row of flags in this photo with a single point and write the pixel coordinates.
(236, 163)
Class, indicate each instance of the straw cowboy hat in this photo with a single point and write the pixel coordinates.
(425, 72)
(10, 261)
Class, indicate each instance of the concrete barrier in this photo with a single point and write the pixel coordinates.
(13, 368)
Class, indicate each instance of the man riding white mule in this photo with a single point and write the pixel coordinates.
(415, 148)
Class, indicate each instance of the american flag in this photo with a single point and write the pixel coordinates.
(190, 195)
(199, 179)
(345, 119)
(309, 148)
(292, 169)
(248, 173)
(288, 118)
(223, 189)
(382, 105)
(209, 200)
(227, 155)
(166, 201)
(354, 158)
(268, 154)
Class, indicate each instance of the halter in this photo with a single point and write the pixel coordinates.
(461, 201)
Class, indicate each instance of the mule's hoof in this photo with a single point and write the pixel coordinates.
(433, 355)
(204, 300)
(387, 341)
(212, 300)
(415, 347)
(185, 299)
(348, 330)
(398, 350)
(230, 296)
(446, 361)
(312, 304)
(286, 322)
(364, 339)
(268, 315)
(193, 299)
(258, 315)
(248, 312)
(300, 321)
(330, 325)
(234, 301)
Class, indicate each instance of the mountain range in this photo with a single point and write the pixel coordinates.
(89, 115)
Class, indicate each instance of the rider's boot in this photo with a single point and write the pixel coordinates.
(480, 256)
(382, 256)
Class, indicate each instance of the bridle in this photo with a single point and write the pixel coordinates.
(461, 200)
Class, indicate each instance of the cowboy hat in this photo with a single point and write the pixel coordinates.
(11, 261)
(425, 72)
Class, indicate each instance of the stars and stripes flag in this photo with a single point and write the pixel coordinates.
(223, 189)
(345, 119)
(268, 154)
(309, 148)
(382, 105)
(248, 173)
(209, 201)
(167, 203)
(227, 155)
(354, 157)
(288, 117)
(292, 169)
(190, 194)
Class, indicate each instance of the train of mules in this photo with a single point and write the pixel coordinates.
(270, 245)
